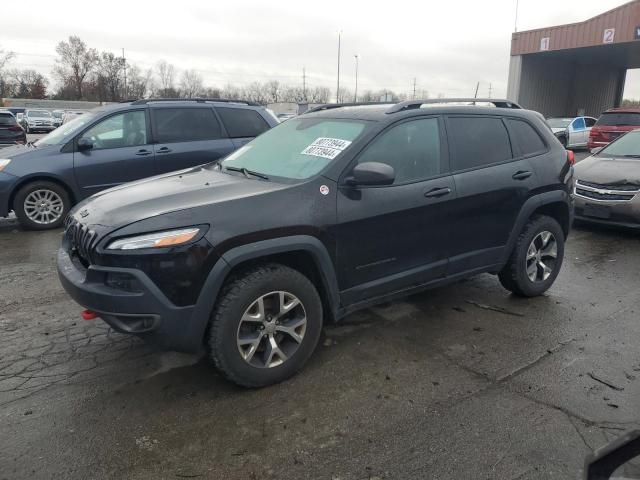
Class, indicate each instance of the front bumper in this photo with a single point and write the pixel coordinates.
(6, 186)
(623, 214)
(145, 312)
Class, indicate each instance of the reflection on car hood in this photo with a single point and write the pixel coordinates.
(125, 204)
(609, 171)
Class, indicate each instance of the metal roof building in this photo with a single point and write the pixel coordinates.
(579, 68)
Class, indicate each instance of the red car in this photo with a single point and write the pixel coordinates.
(612, 124)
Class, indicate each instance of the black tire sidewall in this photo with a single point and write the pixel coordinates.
(224, 341)
(18, 204)
(541, 224)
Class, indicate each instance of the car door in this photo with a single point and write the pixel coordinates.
(120, 152)
(492, 183)
(578, 134)
(242, 124)
(187, 136)
(391, 237)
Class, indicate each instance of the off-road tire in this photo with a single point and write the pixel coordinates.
(513, 275)
(237, 294)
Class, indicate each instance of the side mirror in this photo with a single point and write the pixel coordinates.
(595, 151)
(84, 144)
(371, 174)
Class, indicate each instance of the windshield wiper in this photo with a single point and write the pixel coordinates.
(246, 172)
(632, 155)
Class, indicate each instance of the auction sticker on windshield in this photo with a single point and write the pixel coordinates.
(326, 147)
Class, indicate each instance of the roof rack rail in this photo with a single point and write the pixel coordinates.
(329, 106)
(144, 101)
(413, 104)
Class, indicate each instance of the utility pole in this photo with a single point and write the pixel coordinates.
(490, 89)
(338, 86)
(477, 87)
(355, 96)
(304, 85)
(515, 25)
(414, 88)
(124, 66)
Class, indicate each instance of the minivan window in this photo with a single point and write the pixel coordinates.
(478, 141)
(296, 149)
(526, 137)
(411, 148)
(185, 124)
(619, 119)
(122, 130)
(242, 122)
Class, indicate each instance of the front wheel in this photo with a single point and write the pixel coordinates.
(41, 205)
(265, 326)
(536, 259)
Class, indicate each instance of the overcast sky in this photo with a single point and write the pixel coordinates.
(447, 46)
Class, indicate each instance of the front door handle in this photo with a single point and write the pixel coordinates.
(521, 175)
(438, 192)
(164, 150)
(143, 152)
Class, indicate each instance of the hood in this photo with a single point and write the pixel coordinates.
(609, 171)
(17, 151)
(181, 190)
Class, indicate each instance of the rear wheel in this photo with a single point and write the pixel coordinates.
(265, 325)
(536, 259)
(41, 205)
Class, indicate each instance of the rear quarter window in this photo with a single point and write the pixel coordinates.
(619, 119)
(525, 138)
(242, 122)
(478, 141)
(7, 119)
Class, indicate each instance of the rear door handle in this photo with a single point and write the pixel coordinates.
(164, 150)
(521, 175)
(438, 192)
(143, 152)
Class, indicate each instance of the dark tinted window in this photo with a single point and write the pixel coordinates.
(590, 122)
(241, 122)
(526, 137)
(478, 141)
(411, 148)
(185, 124)
(619, 118)
(7, 119)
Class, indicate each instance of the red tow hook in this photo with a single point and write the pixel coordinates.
(88, 315)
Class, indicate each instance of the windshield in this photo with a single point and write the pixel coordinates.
(559, 122)
(619, 119)
(58, 114)
(626, 146)
(38, 113)
(65, 132)
(298, 148)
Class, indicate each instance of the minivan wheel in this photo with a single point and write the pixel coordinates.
(536, 259)
(265, 326)
(41, 205)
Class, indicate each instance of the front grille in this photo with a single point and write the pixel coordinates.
(81, 239)
(603, 196)
(619, 187)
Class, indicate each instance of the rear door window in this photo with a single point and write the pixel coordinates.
(242, 122)
(172, 125)
(590, 122)
(526, 138)
(619, 119)
(478, 141)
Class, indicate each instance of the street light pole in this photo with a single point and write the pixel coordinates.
(355, 96)
(338, 87)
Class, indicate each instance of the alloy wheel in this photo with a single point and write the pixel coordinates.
(43, 207)
(271, 329)
(541, 257)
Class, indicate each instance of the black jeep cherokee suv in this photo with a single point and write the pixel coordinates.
(332, 211)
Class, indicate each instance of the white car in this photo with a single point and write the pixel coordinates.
(572, 131)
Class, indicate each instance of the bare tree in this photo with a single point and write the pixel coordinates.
(5, 58)
(191, 84)
(25, 84)
(74, 63)
(110, 76)
(139, 84)
(166, 79)
(273, 91)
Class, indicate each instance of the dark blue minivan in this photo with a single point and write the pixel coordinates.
(120, 143)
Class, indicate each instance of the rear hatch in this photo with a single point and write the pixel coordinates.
(9, 128)
(611, 125)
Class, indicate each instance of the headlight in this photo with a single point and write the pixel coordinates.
(3, 163)
(169, 238)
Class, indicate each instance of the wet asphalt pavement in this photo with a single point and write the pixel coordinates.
(465, 381)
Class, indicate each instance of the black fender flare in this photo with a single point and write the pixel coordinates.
(530, 206)
(236, 256)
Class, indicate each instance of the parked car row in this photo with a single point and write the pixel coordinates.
(116, 144)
